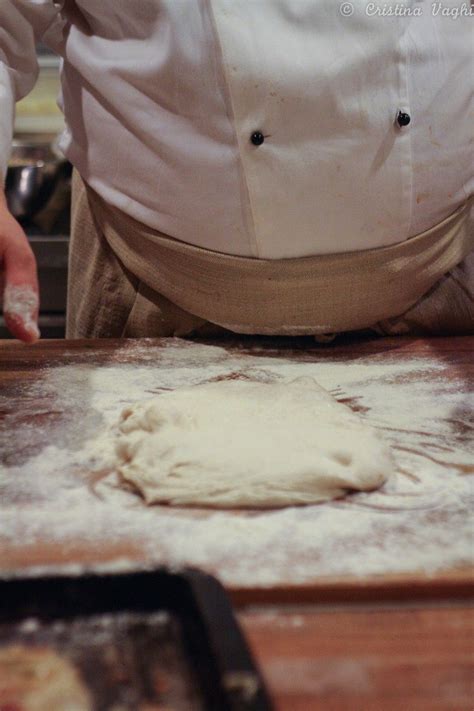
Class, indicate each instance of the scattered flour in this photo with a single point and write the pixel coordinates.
(64, 491)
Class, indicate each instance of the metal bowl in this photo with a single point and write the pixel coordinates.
(33, 172)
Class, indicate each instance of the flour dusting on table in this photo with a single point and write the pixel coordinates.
(60, 489)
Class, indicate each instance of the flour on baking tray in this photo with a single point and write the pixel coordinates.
(420, 519)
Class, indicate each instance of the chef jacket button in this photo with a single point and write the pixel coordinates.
(257, 138)
(403, 119)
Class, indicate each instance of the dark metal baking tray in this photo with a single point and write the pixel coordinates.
(140, 614)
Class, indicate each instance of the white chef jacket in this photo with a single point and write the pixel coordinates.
(166, 104)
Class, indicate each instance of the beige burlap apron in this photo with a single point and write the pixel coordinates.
(129, 280)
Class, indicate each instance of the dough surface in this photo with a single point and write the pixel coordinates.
(38, 679)
(241, 443)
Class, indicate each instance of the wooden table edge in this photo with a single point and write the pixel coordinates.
(397, 588)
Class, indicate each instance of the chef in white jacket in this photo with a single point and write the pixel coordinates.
(259, 166)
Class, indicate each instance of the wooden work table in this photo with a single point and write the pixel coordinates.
(392, 641)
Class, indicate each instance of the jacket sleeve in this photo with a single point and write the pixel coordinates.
(22, 24)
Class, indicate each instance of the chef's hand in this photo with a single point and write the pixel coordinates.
(18, 278)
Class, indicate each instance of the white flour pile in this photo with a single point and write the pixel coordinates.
(420, 520)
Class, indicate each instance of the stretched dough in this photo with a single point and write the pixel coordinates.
(239, 443)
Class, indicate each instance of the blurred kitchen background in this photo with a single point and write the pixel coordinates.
(38, 190)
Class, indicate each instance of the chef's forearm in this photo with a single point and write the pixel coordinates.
(23, 24)
(7, 115)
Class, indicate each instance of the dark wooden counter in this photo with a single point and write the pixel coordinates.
(382, 643)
